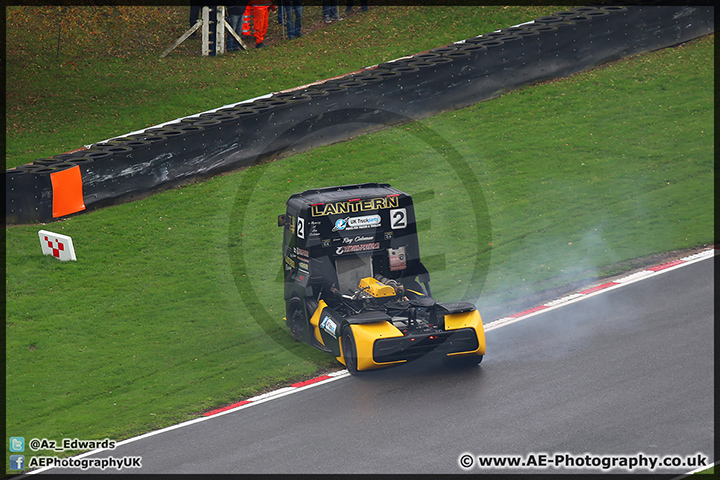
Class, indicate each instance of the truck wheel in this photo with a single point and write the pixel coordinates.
(350, 351)
(295, 317)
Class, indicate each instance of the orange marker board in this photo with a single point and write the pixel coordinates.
(67, 192)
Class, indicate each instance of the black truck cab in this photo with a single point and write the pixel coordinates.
(334, 237)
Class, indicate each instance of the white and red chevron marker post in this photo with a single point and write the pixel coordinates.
(57, 245)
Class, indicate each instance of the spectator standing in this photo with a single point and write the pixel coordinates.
(194, 13)
(330, 11)
(293, 17)
(246, 34)
(235, 14)
(260, 11)
(195, 9)
(281, 12)
(363, 5)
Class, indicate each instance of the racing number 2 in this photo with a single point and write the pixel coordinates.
(398, 218)
(301, 227)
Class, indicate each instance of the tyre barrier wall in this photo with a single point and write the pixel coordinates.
(410, 88)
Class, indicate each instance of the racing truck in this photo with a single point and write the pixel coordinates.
(355, 287)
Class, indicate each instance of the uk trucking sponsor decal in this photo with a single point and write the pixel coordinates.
(357, 223)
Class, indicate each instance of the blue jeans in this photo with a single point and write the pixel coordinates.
(363, 3)
(330, 9)
(235, 22)
(293, 8)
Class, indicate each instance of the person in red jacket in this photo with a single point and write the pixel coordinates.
(259, 12)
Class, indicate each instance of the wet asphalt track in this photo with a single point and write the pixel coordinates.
(626, 371)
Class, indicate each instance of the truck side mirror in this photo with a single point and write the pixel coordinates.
(281, 220)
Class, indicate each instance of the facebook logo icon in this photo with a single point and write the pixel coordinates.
(17, 462)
